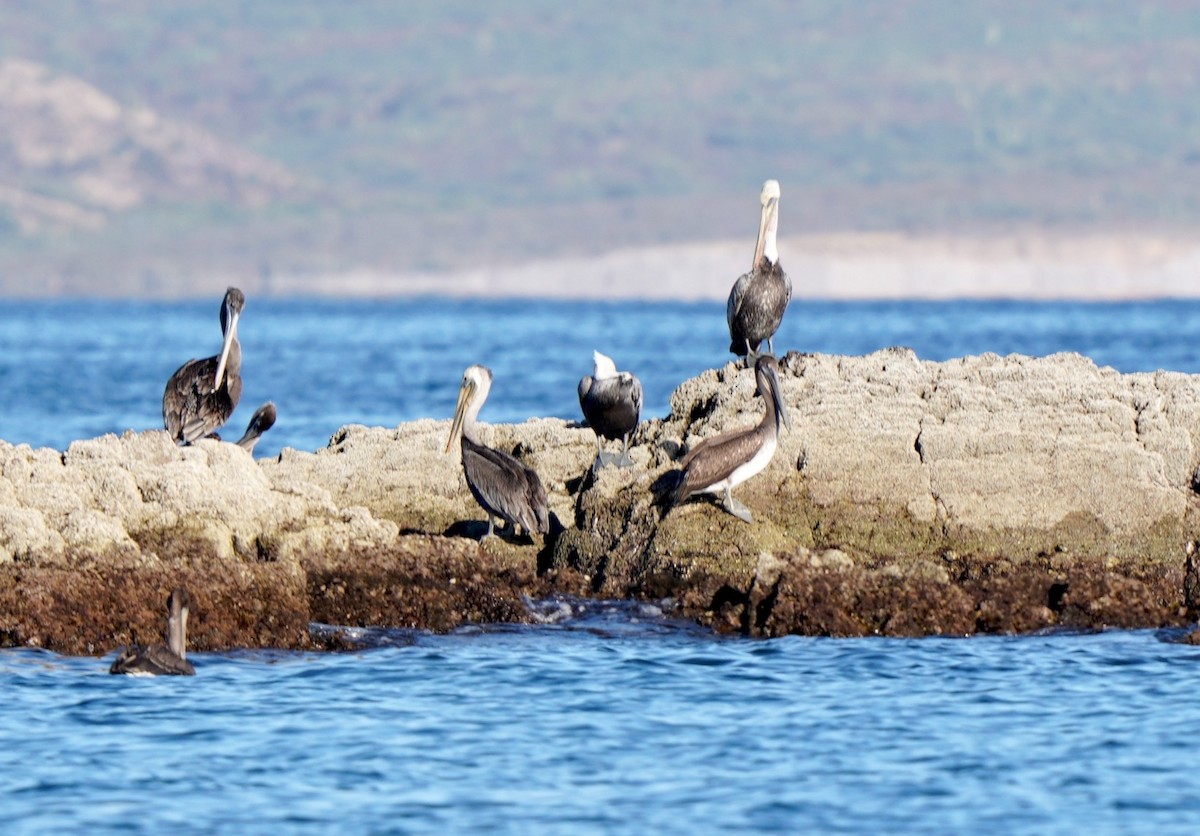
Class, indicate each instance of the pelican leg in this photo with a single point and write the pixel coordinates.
(603, 459)
(751, 355)
(508, 531)
(736, 508)
(491, 529)
(624, 460)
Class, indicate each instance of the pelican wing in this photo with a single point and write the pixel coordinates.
(182, 396)
(585, 388)
(737, 295)
(613, 406)
(504, 486)
(714, 459)
(635, 395)
(155, 660)
(786, 282)
(191, 409)
(756, 305)
(538, 503)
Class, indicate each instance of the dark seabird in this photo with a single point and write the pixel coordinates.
(202, 394)
(503, 486)
(612, 404)
(261, 421)
(157, 660)
(719, 464)
(759, 298)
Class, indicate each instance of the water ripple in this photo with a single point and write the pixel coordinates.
(605, 717)
(408, 355)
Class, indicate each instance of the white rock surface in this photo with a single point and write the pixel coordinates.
(971, 445)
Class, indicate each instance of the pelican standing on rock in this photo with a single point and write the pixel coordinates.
(261, 421)
(611, 403)
(157, 660)
(717, 465)
(759, 298)
(202, 394)
(503, 486)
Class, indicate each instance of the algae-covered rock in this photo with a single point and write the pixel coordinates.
(1017, 455)
(900, 461)
(910, 497)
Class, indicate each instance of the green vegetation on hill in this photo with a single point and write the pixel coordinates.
(412, 135)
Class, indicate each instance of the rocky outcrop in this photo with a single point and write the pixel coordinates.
(981, 494)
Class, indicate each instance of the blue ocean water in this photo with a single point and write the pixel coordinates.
(607, 717)
(80, 369)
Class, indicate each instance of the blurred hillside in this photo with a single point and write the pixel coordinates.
(171, 148)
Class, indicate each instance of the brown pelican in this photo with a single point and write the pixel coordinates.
(503, 486)
(759, 298)
(157, 660)
(716, 465)
(202, 394)
(261, 421)
(612, 403)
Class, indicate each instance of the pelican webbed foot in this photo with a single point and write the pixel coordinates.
(606, 459)
(623, 459)
(508, 532)
(736, 508)
(491, 532)
(602, 460)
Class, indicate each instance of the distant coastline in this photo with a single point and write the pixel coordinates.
(1087, 266)
(1029, 265)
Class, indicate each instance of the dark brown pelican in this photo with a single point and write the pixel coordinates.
(759, 298)
(202, 394)
(503, 486)
(157, 660)
(612, 404)
(719, 464)
(261, 421)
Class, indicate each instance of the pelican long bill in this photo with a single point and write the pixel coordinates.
(177, 623)
(768, 219)
(230, 336)
(465, 394)
(777, 396)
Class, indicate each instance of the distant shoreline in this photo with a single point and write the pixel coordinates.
(843, 266)
(847, 266)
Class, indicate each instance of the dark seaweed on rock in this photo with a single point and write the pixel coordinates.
(949, 498)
